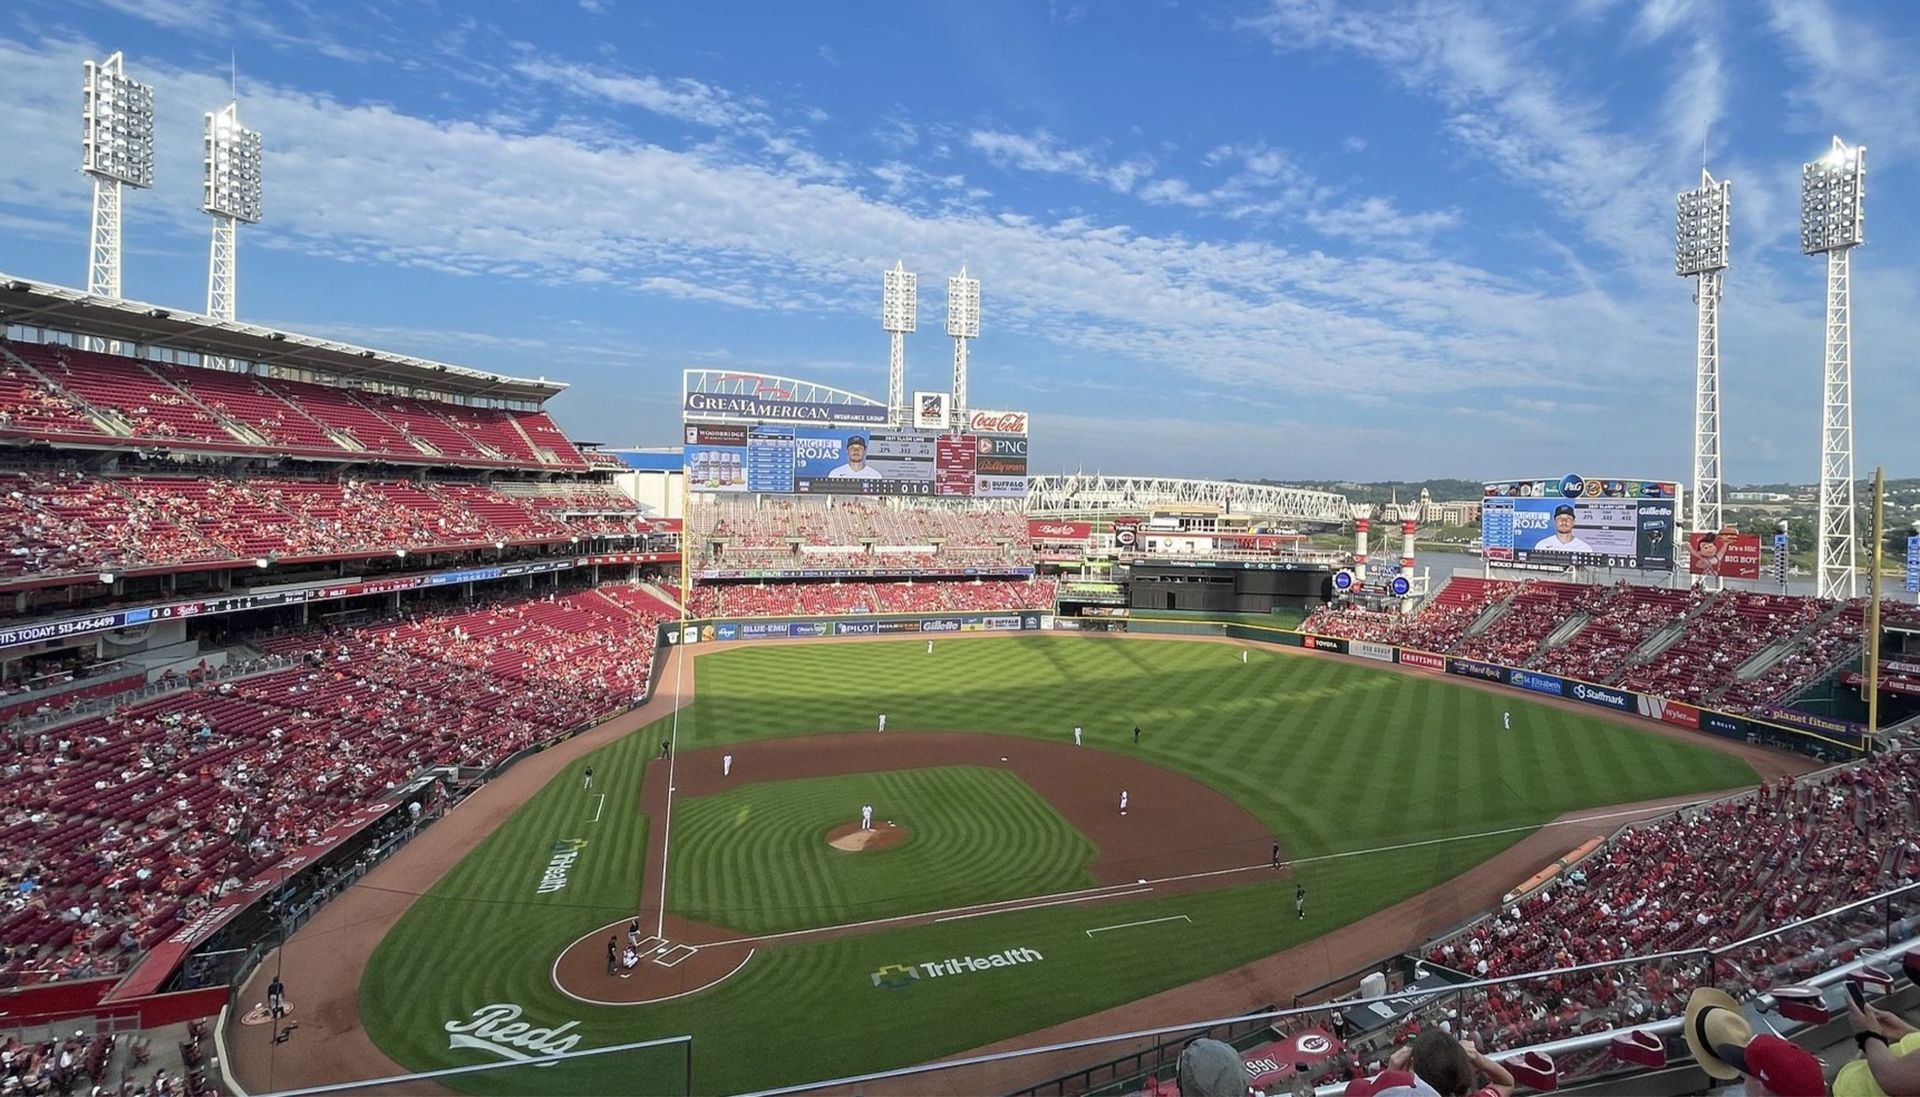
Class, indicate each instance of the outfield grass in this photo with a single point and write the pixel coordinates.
(755, 858)
(1336, 756)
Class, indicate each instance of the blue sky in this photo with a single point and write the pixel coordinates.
(1282, 239)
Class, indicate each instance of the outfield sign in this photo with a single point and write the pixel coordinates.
(1423, 659)
(1617, 699)
(1538, 683)
(1367, 649)
(1470, 668)
(498, 1030)
(901, 976)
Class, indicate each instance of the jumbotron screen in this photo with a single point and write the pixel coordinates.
(1580, 521)
(785, 459)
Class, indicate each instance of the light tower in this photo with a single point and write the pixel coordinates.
(1701, 227)
(1833, 220)
(899, 314)
(231, 195)
(963, 323)
(116, 150)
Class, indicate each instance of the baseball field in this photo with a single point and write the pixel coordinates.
(1012, 894)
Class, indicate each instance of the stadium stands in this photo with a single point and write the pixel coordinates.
(1727, 631)
(1687, 645)
(61, 393)
(1696, 879)
(852, 535)
(116, 829)
(923, 596)
(1626, 617)
(62, 521)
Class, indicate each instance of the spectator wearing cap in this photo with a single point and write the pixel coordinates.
(1723, 1044)
(1209, 1068)
(1888, 1065)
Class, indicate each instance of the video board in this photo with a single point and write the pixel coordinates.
(1576, 521)
(785, 459)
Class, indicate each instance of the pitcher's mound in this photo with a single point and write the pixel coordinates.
(849, 837)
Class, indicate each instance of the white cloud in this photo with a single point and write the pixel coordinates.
(1040, 151)
(1516, 113)
(681, 98)
(1859, 75)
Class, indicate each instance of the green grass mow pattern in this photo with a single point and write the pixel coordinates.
(1337, 757)
(756, 858)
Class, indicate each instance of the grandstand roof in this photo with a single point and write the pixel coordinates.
(41, 304)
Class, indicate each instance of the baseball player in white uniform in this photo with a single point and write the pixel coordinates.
(1123, 801)
(883, 721)
(929, 647)
(1076, 735)
(726, 765)
(866, 816)
(1506, 720)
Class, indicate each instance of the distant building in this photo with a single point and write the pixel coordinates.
(1455, 513)
(1759, 497)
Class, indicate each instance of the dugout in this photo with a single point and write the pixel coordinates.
(1230, 586)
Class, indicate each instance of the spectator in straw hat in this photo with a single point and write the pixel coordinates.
(1723, 1044)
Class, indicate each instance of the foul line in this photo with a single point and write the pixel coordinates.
(1148, 922)
(1036, 906)
(598, 808)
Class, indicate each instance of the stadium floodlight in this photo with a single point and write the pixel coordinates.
(963, 323)
(1833, 192)
(1702, 227)
(231, 193)
(899, 315)
(116, 150)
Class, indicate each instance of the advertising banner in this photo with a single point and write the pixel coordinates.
(1726, 554)
(1619, 700)
(1669, 712)
(1326, 643)
(726, 630)
(1042, 530)
(1366, 649)
(854, 628)
(713, 405)
(1845, 730)
(1722, 724)
(1856, 680)
(1538, 683)
(1469, 668)
(996, 422)
(930, 410)
(760, 630)
(1913, 565)
(1423, 659)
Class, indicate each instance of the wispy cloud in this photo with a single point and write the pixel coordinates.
(680, 98)
(1040, 151)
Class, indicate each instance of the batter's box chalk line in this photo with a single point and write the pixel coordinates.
(676, 955)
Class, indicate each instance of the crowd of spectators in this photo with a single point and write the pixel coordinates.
(1698, 879)
(59, 391)
(1686, 645)
(852, 535)
(1724, 633)
(903, 596)
(1627, 616)
(62, 520)
(117, 829)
